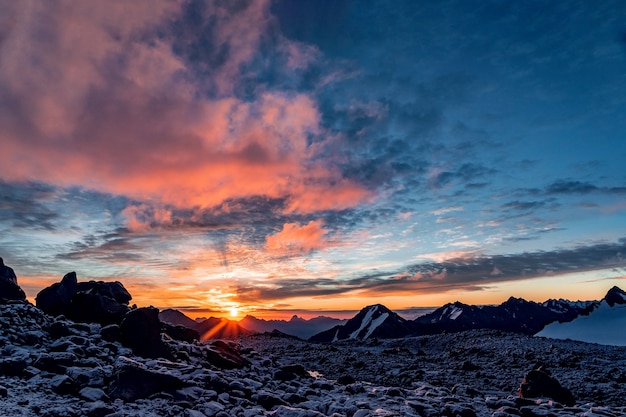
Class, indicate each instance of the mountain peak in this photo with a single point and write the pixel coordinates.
(372, 321)
(615, 296)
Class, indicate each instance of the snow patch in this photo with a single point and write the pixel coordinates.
(604, 326)
(375, 323)
(366, 321)
(455, 313)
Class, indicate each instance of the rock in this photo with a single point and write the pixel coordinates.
(193, 413)
(9, 290)
(281, 375)
(92, 394)
(141, 331)
(268, 401)
(87, 302)
(63, 384)
(111, 333)
(12, 366)
(346, 380)
(55, 362)
(296, 369)
(133, 382)
(59, 329)
(538, 383)
(224, 355)
(179, 332)
(99, 409)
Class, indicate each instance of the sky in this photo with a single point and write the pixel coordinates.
(271, 157)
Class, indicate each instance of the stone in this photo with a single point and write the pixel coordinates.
(92, 394)
(63, 384)
(539, 383)
(133, 382)
(111, 333)
(268, 401)
(179, 332)
(141, 331)
(9, 289)
(12, 366)
(346, 380)
(224, 355)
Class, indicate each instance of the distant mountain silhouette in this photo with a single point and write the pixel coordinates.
(514, 315)
(296, 326)
(211, 328)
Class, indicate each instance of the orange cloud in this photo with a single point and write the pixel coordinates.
(296, 239)
(103, 102)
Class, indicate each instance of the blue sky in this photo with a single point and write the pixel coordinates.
(315, 155)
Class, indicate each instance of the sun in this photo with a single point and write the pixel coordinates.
(234, 311)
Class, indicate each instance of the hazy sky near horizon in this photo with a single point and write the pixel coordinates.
(315, 154)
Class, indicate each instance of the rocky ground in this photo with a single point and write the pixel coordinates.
(53, 367)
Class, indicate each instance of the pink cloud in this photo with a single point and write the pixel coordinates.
(93, 97)
(297, 239)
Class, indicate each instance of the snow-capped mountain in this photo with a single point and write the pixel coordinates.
(375, 321)
(603, 324)
(514, 315)
(296, 326)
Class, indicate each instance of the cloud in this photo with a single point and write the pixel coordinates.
(24, 206)
(297, 239)
(111, 96)
(471, 272)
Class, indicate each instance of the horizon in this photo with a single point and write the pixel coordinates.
(281, 155)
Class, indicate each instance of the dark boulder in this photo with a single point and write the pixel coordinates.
(224, 355)
(9, 290)
(179, 332)
(141, 331)
(111, 333)
(346, 380)
(133, 382)
(539, 383)
(268, 401)
(87, 302)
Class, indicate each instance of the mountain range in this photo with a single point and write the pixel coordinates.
(221, 328)
(558, 318)
(514, 315)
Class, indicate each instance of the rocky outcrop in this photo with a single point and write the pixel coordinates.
(9, 290)
(87, 302)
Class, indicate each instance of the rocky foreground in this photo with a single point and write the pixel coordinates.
(53, 367)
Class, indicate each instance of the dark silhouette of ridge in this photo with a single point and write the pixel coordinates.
(515, 315)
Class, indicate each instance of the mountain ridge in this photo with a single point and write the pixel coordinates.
(515, 315)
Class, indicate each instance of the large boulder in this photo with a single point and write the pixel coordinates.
(141, 331)
(539, 383)
(9, 290)
(224, 355)
(133, 381)
(87, 302)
